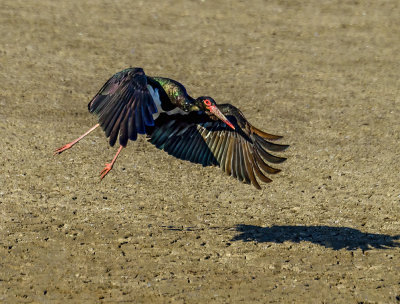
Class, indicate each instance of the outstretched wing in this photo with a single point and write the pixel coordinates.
(241, 153)
(124, 106)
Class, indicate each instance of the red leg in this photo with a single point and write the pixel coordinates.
(109, 166)
(67, 146)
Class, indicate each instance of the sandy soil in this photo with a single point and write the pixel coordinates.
(159, 230)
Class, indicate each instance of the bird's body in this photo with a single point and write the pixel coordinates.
(169, 95)
(197, 130)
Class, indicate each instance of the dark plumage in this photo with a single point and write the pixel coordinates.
(197, 130)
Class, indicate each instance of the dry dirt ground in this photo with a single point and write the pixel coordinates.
(325, 74)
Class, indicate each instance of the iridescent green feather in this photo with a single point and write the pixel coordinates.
(176, 92)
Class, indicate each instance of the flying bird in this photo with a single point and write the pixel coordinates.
(198, 130)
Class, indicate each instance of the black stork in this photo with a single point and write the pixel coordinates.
(198, 130)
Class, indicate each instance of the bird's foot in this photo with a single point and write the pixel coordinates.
(62, 149)
(106, 169)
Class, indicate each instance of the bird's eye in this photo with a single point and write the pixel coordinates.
(207, 102)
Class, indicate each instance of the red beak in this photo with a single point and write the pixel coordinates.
(214, 110)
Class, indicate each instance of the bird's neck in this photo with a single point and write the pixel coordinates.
(176, 93)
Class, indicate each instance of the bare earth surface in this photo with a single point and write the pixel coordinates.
(325, 75)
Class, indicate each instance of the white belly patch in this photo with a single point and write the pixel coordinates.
(156, 97)
(177, 111)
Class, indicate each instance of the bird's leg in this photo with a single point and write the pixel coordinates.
(67, 146)
(109, 166)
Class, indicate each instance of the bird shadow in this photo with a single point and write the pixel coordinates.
(335, 238)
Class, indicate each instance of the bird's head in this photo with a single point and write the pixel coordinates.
(208, 105)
